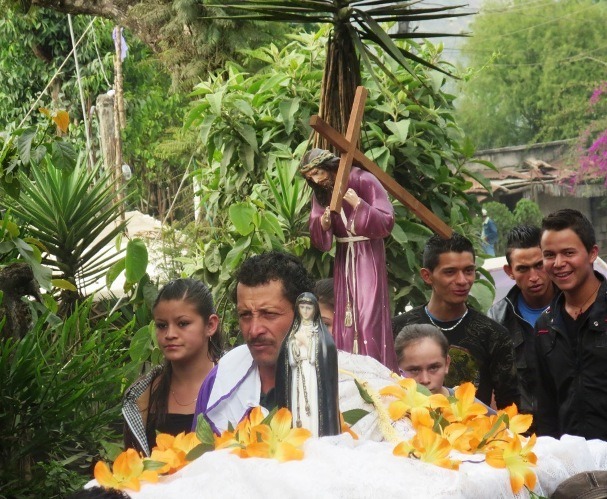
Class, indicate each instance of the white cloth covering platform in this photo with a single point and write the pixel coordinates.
(340, 467)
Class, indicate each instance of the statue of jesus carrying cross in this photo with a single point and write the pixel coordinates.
(362, 310)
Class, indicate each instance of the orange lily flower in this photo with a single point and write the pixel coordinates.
(243, 435)
(432, 448)
(407, 398)
(518, 423)
(127, 472)
(461, 437)
(225, 440)
(420, 416)
(279, 441)
(172, 450)
(465, 408)
(517, 460)
(404, 449)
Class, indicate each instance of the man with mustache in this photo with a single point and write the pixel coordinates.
(481, 350)
(362, 306)
(267, 288)
(520, 308)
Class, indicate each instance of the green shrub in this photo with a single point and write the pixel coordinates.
(527, 212)
(59, 400)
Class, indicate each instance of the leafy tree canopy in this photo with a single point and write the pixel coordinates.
(179, 31)
(533, 67)
(253, 130)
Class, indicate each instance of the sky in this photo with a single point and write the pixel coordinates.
(453, 25)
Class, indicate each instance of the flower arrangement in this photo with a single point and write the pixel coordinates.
(255, 436)
(446, 430)
(459, 423)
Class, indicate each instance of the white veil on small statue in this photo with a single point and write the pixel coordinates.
(306, 374)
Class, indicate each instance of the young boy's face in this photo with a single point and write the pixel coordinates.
(566, 260)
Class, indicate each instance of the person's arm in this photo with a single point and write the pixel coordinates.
(373, 217)
(321, 238)
(503, 370)
(547, 414)
(204, 394)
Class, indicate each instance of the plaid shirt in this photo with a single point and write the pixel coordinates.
(135, 409)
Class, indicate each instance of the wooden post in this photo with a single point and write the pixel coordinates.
(118, 118)
(104, 107)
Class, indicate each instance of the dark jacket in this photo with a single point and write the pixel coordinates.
(506, 313)
(572, 382)
(481, 352)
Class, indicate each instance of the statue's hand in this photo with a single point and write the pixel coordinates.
(351, 198)
(325, 220)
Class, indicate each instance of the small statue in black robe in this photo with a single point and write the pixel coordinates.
(306, 373)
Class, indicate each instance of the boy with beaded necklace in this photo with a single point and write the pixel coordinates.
(481, 350)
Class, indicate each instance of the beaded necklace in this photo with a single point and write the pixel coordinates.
(445, 328)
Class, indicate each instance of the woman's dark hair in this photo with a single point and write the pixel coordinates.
(323, 289)
(416, 332)
(196, 293)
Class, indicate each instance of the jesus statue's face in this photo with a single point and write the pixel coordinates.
(306, 310)
(321, 177)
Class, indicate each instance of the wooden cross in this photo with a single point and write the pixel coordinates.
(347, 145)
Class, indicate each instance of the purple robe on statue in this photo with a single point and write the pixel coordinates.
(366, 280)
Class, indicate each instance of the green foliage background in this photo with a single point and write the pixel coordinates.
(253, 128)
(533, 67)
(59, 400)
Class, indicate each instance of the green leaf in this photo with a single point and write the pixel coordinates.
(484, 294)
(422, 389)
(63, 155)
(503, 419)
(415, 231)
(271, 224)
(198, 451)
(212, 258)
(236, 254)
(399, 234)
(136, 261)
(363, 392)
(151, 465)
(242, 215)
(353, 416)
(11, 227)
(479, 177)
(114, 271)
(141, 344)
(24, 144)
(63, 284)
(287, 109)
(268, 419)
(248, 134)
(204, 431)
(399, 128)
(215, 101)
